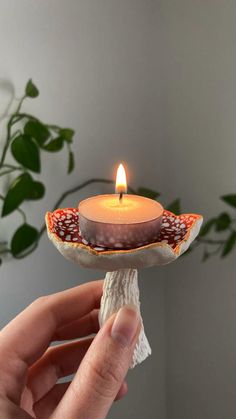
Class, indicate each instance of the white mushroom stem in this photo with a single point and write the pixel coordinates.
(121, 288)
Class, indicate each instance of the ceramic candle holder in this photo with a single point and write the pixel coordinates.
(121, 284)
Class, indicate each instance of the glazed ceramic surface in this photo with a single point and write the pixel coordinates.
(176, 235)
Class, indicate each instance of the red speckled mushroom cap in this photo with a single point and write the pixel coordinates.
(176, 235)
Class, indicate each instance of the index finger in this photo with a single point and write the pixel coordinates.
(30, 333)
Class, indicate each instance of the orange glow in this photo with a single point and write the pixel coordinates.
(121, 183)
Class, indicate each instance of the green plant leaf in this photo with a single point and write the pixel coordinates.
(23, 238)
(67, 134)
(54, 145)
(147, 192)
(71, 162)
(37, 191)
(174, 207)
(31, 90)
(229, 245)
(222, 222)
(207, 227)
(229, 199)
(26, 152)
(18, 191)
(37, 130)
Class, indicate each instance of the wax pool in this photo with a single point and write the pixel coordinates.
(107, 221)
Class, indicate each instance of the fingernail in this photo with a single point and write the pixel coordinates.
(125, 325)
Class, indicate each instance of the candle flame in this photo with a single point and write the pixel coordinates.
(121, 183)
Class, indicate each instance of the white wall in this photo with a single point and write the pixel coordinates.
(97, 67)
(199, 153)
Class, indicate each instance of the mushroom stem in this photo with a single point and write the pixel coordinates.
(121, 288)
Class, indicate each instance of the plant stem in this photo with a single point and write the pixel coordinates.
(15, 133)
(18, 116)
(217, 250)
(209, 241)
(23, 214)
(78, 188)
(7, 172)
(53, 127)
(10, 171)
(5, 251)
(9, 124)
(12, 167)
(20, 104)
(21, 115)
(7, 142)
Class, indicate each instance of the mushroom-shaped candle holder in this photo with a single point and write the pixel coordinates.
(121, 282)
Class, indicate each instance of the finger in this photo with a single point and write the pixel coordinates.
(45, 407)
(103, 368)
(57, 362)
(10, 410)
(27, 337)
(122, 392)
(46, 315)
(85, 326)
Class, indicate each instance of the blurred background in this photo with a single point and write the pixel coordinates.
(151, 83)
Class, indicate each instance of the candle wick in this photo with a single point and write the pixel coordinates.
(120, 197)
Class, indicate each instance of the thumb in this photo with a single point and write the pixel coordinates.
(103, 368)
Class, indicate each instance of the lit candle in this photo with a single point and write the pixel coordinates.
(120, 221)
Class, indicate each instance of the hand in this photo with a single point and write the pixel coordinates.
(29, 370)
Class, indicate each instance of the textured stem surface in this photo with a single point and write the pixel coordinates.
(121, 288)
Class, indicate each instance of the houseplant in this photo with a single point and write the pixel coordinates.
(27, 137)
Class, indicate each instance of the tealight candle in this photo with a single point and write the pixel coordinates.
(120, 221)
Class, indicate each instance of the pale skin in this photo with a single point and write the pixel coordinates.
(30, 368)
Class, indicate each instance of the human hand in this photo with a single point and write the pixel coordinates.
(29, 369)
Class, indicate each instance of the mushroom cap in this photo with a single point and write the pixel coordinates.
(176, 234)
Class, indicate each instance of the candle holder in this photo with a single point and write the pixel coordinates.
(121, 281)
